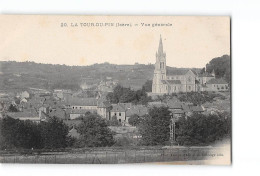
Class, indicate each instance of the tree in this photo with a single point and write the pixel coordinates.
(147, 87)
(114, 121)
(54, 133)
(202, 129)
(155, 127)
(134, 120)
(126, 95)
(15, 133)
(221, 66)
(12, 108)
(95, 132)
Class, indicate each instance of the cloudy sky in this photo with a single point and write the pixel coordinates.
(189, 42)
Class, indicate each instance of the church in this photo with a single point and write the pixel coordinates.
(164, 83)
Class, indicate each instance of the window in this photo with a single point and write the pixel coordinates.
(115, 114)
(119, 113)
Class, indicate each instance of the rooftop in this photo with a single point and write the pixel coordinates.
(82, 101)
(217, 81)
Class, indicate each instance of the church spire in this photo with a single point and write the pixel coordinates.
(160, 49)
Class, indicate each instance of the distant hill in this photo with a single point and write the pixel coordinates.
(22, 75)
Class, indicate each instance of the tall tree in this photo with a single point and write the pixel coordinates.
(147, 87)
(155, 127)
(54, 133)
(95, 132)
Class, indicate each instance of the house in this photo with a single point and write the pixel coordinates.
(23, 95)
(82, 103)
(183, 109)
(103, 109)
(217, 85)
(119, 111)
(76, 113)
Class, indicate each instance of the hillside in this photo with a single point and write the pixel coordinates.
(22, 75)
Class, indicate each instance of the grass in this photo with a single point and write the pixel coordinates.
(114, 156)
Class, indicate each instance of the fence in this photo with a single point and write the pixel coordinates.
(110, 156)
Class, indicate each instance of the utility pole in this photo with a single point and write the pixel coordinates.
(172, 130)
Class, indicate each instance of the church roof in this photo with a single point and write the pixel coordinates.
(171, 81)
(174, 81)
(217, 81)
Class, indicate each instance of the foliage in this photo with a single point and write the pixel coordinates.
(198, 98)
(147, 87)
(155, 127)
(95, 132)
(134, 120)
(221, 66)
(54, 133)
(123, 142)
(19, 134)
(126, 95)
(15, 133)
(114, 121)
(202, 129)
(12, 108)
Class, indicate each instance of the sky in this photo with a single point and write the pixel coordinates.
(188, 41)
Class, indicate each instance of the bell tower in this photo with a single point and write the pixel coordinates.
(160, 69)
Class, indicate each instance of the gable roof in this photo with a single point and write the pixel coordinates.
(103, 104)
(82, 101)
(24, 114)
(197, 109)
(173, 81)
(174, 105)
(217, 81)
(117, 108)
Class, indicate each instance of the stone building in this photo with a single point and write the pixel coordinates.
(190, 81)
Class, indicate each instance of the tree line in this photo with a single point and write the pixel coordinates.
(16, 134)
(94, 131)
(221, 66)
(122, 94)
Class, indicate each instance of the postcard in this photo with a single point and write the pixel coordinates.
(115, 89)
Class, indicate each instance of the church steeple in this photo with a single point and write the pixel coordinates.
(160, 70)
(160, 49)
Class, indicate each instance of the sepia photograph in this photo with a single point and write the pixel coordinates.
(79, 89)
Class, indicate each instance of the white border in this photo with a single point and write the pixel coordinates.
(245, 60)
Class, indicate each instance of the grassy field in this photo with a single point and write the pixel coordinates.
(116, 155)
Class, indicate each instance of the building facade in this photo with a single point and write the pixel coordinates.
(190, 81)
